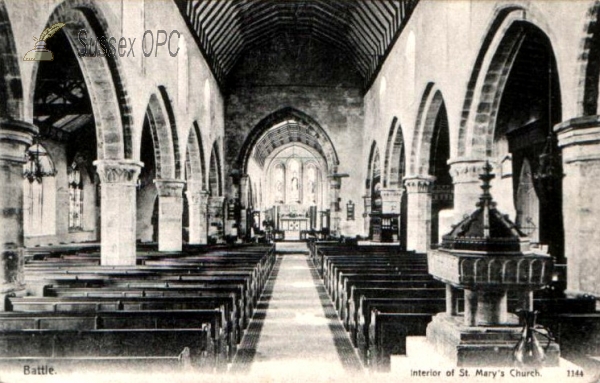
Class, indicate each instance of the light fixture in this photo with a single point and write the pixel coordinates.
(37, 165)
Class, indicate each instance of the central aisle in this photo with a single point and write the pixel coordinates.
(295, 331)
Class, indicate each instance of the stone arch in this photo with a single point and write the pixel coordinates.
(195, 156)
(11, 89)
(498, 51)
(373, 160)
(215, 181)
(317, 135)
(388, 146)
(103, 78)
(395, 157)
(431, 104)
(590, 63)
(160, 117)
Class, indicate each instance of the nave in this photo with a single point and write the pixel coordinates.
(295, 330)
(141, 195)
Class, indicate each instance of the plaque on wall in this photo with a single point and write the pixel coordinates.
(350, 211)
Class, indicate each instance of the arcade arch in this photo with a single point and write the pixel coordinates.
(515, 104)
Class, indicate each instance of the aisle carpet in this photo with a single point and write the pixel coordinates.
(295, 331)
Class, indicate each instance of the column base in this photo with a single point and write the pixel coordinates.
(478, 346)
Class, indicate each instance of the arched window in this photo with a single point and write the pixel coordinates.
(295, 186)
(279, 183)
(75, 197)
(528, 204)
(312, 184)
(39, 193)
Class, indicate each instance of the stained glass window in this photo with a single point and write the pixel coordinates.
(75, 197)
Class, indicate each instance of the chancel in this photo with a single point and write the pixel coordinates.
(311, 190)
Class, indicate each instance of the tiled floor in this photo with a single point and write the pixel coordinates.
(295, 333)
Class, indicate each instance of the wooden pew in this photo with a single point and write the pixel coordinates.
(207, 321)
(349, 282)
(578, 335)
(429, 306)
(159, 292)
(68, 305)
(147, 348)
(337, 283)
(356, 287)
(96, 279)
(387, 335)
(163, 281)
(398, 293)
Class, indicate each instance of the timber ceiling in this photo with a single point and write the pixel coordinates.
(364, 29)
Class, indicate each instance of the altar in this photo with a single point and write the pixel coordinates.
(292, 227)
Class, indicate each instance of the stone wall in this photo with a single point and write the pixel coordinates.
(305, 75)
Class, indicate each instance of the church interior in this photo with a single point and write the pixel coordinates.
(309, 188)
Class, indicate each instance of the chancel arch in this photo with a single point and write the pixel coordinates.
(291, 156)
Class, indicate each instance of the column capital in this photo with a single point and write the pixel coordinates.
(19, 136)
(118, 171)
(581, 137)
(196, 196)
(391, 192)
(419, 184)
(169, 187)
(467, 170)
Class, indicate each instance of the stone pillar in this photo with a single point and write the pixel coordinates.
(245, 204)
(390, 201)
(215, 217)
(367, 214)
(15, 138)
(467, 185)
(335, 184)
(170, 214)
(419, 212)
(244, 191)
(470, 308)
(451, 300)
(579, 140)
(492, 307)
(118, 210)
(197, 204)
